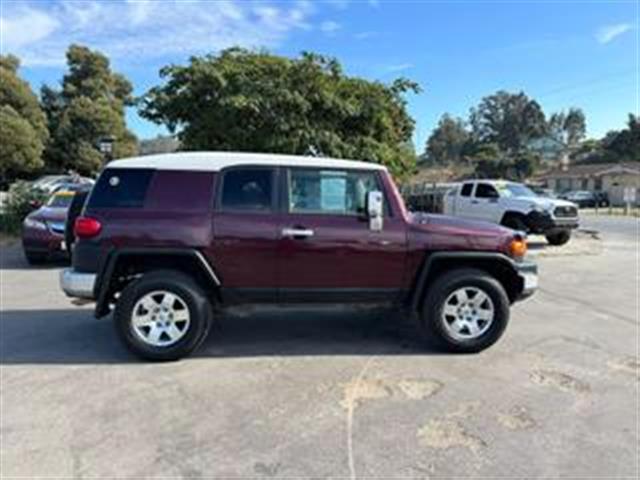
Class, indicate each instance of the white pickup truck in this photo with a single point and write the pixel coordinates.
(513, 205)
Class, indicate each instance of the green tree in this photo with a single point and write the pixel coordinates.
(255, 101)
(23, 127)
(568, 128)
(90, 105)
(624, 145)
(509, 120)
(448, 141)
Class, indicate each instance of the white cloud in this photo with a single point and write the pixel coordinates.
(40, 33)
(608, 33)
(329, 27)
(365, 35)
(26, 27)
(399, 67)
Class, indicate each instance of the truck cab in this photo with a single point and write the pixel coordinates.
(515, 206)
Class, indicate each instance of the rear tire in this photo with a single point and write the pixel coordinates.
(448, 322)
(159, 295)
(559, 238)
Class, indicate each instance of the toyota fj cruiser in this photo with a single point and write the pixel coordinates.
(166, 241)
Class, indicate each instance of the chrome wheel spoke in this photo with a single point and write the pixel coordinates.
(461, 296)
(473, 327)
(173, 331)
(479, 299)
(154, 334)
(485, 314)
(168, 301)
(451, 310)
(180, 315)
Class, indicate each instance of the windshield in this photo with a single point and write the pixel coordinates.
(514, 190)
(60, 200)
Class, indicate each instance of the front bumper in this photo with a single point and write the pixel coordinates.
(77, 284)
(544, 223)
(528, 276)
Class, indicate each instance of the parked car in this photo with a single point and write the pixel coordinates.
(515, 206)
(43, 229)
(154, 249)
(52, 183)
(582, 198)
(602, 199)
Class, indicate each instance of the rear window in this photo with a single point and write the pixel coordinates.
(121, 188)
(60, 200)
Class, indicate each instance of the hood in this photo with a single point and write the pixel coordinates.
(544, 202)
(457, 224)
(442, 232)
(50, 214)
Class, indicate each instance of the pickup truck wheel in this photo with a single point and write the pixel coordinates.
(466, 311)
(559, 238)
(163, 316)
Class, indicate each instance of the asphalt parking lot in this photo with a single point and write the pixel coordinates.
(334, 394)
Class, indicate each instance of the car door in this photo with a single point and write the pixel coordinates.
(245, 233)
(464, 202)
(327, 252)
(485, 202)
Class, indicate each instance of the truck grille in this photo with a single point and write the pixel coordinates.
(562, 212)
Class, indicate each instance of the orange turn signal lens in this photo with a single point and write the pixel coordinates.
(518, 247)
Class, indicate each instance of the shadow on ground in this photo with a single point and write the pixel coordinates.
(12, 258)
(73, 336)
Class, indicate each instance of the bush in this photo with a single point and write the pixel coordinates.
(20, 202)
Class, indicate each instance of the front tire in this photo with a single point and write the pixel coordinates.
(465, 311)
(559, 238)
(163, 316)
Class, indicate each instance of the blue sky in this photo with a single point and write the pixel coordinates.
(562, 53)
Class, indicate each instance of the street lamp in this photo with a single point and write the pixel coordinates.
(105, 144)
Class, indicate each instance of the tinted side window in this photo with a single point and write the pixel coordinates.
(120, 188)
(466, 189)
(337, 192)
(249, 189)
(484, 190)
(180, 191)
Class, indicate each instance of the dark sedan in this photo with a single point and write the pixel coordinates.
(43, 229)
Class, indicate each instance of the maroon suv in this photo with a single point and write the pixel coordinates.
(163, 239)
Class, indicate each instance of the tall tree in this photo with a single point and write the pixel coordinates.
(255, 101)
(568, 128)
(448, 141)
(509, 120)
(23, 127)
(90, 105)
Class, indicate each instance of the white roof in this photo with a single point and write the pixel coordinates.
(215, 161)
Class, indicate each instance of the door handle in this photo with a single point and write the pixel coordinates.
(475, 202)
(297, 232)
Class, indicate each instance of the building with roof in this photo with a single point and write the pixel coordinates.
(611, 178)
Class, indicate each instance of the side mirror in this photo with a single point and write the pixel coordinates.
(375, 210)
